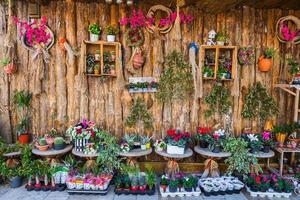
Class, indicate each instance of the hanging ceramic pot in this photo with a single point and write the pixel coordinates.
(138, 59)
(264, 64)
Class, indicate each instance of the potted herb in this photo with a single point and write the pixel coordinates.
(203, 136)
(208, 72)
(150, 179)
(97, 55)
(41, 144)
(97, 69)
(222, 73)
(160, 145)
(265, 61)
(188, 184)
(164, 183)
(111, 33)
(59, 143)
(267, 141)
(95, 31)
(221, 38)
(22, 100)
(173, 185)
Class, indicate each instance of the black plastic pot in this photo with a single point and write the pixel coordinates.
(16, 182)
(266, 149)
(172, 189)
(188, 189)
(253, 150)
(59, 146)
(217, 149)
(203, 144)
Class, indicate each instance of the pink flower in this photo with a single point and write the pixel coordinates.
(266, 135)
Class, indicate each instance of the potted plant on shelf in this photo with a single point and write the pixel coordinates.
(222, 73)
(217, 141)
(111, 32)
(267, 141)
(221, 38)
(203, 136)
(59, 143)
(160, 145)
(97, 69)
(22, 100)
(164, 183)
(97, 55)
(41, 144)
(95, 31)
(145, 142)
(173, 185)
(280, 134)
(265, 61)
(208, 72)
(176, 141)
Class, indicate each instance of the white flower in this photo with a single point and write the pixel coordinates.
(252, 137)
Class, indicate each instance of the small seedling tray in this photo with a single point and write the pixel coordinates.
(138, 192)
(180, 194)
(100, 192)
(269, 194)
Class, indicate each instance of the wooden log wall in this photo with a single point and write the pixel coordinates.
(67, 95)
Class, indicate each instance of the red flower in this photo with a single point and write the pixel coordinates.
(216, 136)
(171, 132)
(257, 180)
(204, 130)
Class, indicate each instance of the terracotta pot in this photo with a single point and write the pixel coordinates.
(264, 64)
(24, 138)
(43, 148)
(138, 60)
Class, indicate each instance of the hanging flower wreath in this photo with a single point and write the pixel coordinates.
(284, 33)
(246, 55)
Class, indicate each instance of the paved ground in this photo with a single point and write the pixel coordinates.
(7, 193)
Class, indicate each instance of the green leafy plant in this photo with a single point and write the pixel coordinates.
(188, 182)
(173, 183)
(176, 81)
(294, 66)
(218, 100)
(150, 179)
(4, 62)
(139, 112)
(269, 53)
(22, 99)
(221, 37)
(258, 103)
(95, 29)
(208, 71)
(42, 141)
(240, 160)
(59, 140)
(111, 30)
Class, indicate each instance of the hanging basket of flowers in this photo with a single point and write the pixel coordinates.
(246, 55)
(284, 33)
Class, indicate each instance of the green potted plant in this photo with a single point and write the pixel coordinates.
(22, 100)
(150, 179)
(142, 182)
(134, 183)
(222, 73)
(164, 183)
(173, 185)
(95, 31)
(97, 69)
(28, 166)
(111, 32)
(188, 184)
(59, 143)
(208, 72)
(265, 61)
(221, 38)
(42, 144)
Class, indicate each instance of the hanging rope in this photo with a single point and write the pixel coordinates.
(211, 168)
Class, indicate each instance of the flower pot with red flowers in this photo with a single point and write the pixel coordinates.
(164, 183)
(203, 136)
(177, 141)
(217, 142)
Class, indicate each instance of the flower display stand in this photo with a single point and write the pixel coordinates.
(172, 166)
(182, 193)
(269, 194)
(132, 155)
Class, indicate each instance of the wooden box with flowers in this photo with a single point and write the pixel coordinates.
(218, 62)
(102, 58)
(177, 141)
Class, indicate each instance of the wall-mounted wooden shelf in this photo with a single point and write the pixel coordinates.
(218, 58)
(109, 62)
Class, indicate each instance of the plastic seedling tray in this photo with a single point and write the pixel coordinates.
(180, 194)
(138, 192)
(269, 194)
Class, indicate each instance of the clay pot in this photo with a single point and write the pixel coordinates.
(43, 148)
(138, 60)
(24, 139)
(10, 69)
(264, 64)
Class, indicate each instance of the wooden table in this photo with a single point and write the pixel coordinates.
(282, 151)
(132, 155)
(211, 166)
(172, 166)
(52, 152)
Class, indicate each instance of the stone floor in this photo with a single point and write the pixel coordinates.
(7, 193)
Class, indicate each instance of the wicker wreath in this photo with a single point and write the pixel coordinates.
(151, 14)
(34, 48)
(283, 20)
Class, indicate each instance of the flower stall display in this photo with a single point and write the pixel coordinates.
(246, 55)
(82, 135)
(180, 185)
(217, 142)
(269, 186)
(132, 181)
(36, 36)
(160, 145)
(203, 136)
(177, 141)
(220, 186)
